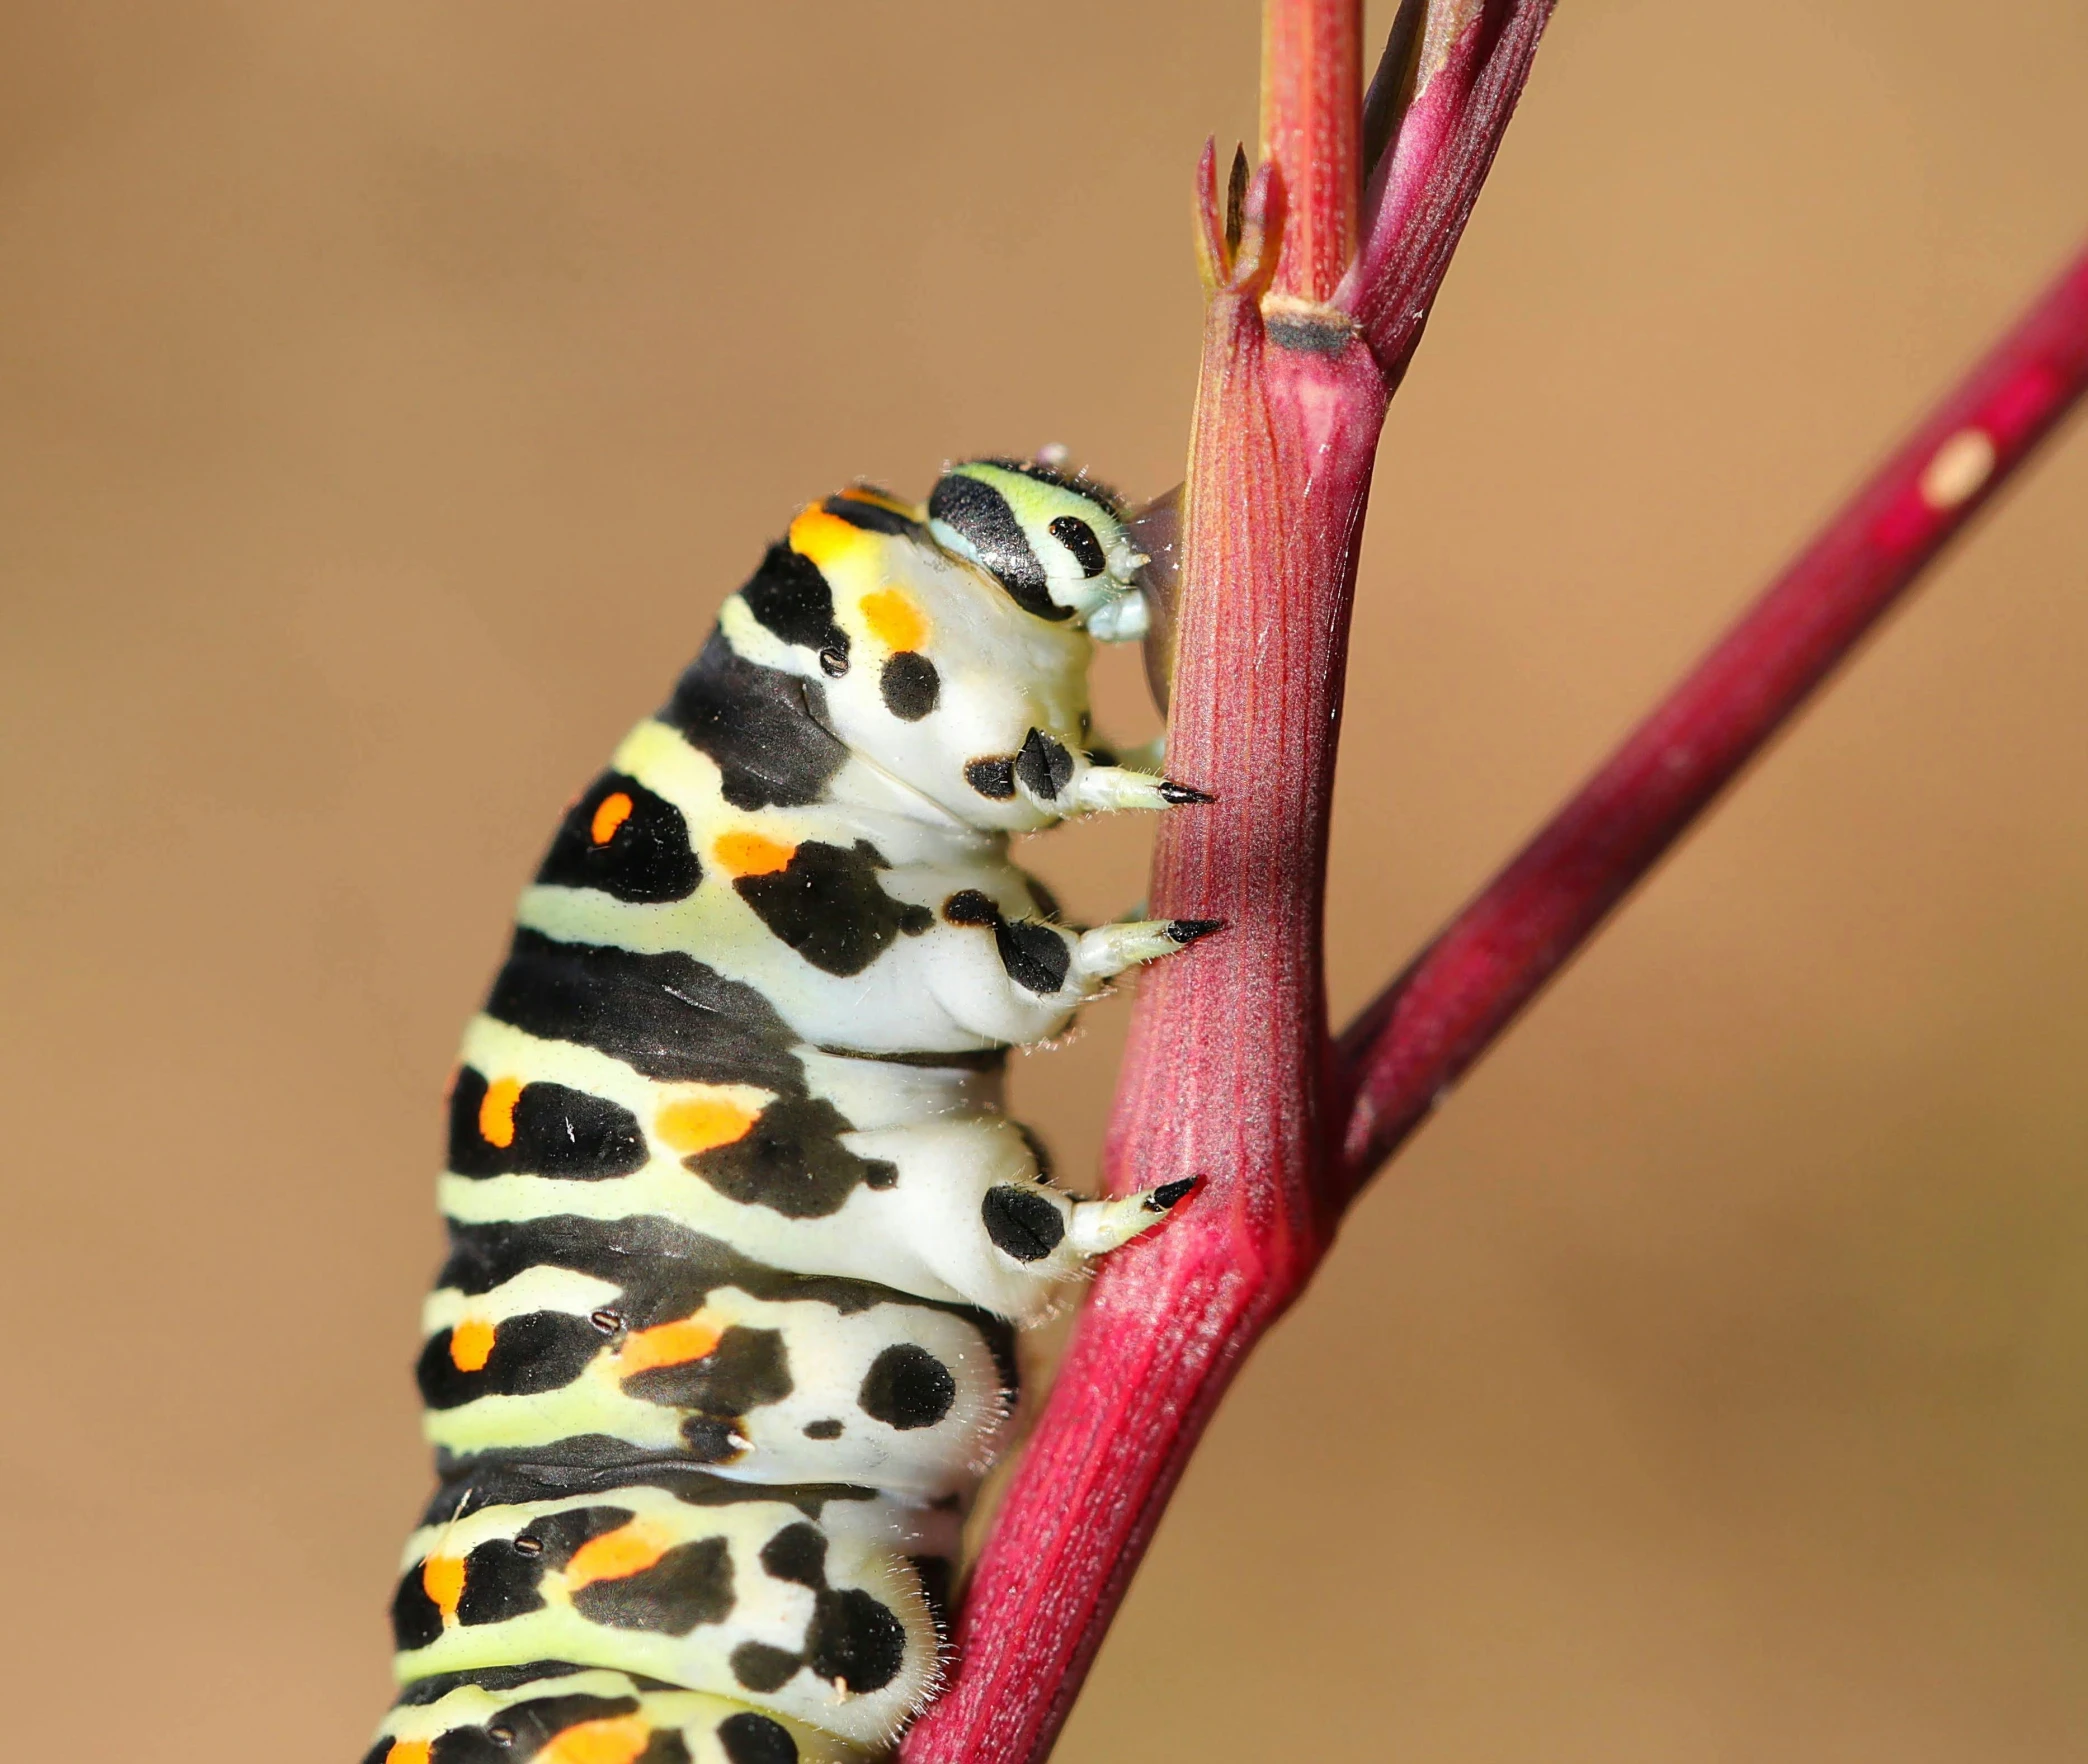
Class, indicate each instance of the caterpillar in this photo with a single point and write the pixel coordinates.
(739, 1233)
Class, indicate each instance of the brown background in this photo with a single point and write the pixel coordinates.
(393, 390)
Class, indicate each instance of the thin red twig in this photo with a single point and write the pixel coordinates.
(1420, 1035)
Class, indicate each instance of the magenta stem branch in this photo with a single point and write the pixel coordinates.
(1419, 1036)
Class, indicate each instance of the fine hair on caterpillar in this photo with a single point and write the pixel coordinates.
(739, 1233)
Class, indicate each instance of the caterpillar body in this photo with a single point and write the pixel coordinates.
(739, 1232)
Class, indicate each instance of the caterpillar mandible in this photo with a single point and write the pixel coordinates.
(739, 1233)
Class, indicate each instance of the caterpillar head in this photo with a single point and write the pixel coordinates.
(1056, 543)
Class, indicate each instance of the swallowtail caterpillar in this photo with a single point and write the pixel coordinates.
(739, 1232)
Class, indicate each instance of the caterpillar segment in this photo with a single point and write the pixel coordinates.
(740, 1235)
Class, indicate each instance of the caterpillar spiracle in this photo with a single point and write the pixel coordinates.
(739, 1232)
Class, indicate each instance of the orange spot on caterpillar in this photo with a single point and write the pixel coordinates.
(615, 1740)
(610, 813)
(615, 1555)
(752, 854)
(497, 1112)
(894, 620)
(471, 1345)
(442, 1579)
(667, 1344)
(703, 1123)
(824, 537)
(407, 1752)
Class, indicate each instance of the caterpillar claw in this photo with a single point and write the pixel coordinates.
(1109, 950)
(1107, 789)
(1103, 1225)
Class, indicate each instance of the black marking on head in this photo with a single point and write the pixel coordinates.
(907, 1387)
(763, 1669)
(828, 905)
(1186, 931)
(1043, 767)
(792, 1161)
(992, 777)
(1036, 957)
(748, 1367)
(1170, 1195)
(749, 1738)
(557, 1132)
(790, 597)
(910, 685)
(1178, 794)
(1079, 538)
(646, 856)
(1021, 1222)
(830, 1428)
(971, 906)
(536, 1352)
(760, 725)
(982, 515)
(870, 517)
(668, 1015)
(688, 1586)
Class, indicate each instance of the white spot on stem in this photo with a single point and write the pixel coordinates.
(1961, 466)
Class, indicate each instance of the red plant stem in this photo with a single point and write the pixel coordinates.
(1229, 1072)
(1312, 83)
(1419, 1036)
(1231, 1058)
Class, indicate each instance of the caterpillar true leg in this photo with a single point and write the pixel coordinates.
(1117, 787)
(739, 1232)
(1108, 950)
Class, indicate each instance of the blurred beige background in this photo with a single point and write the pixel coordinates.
(392, 391)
